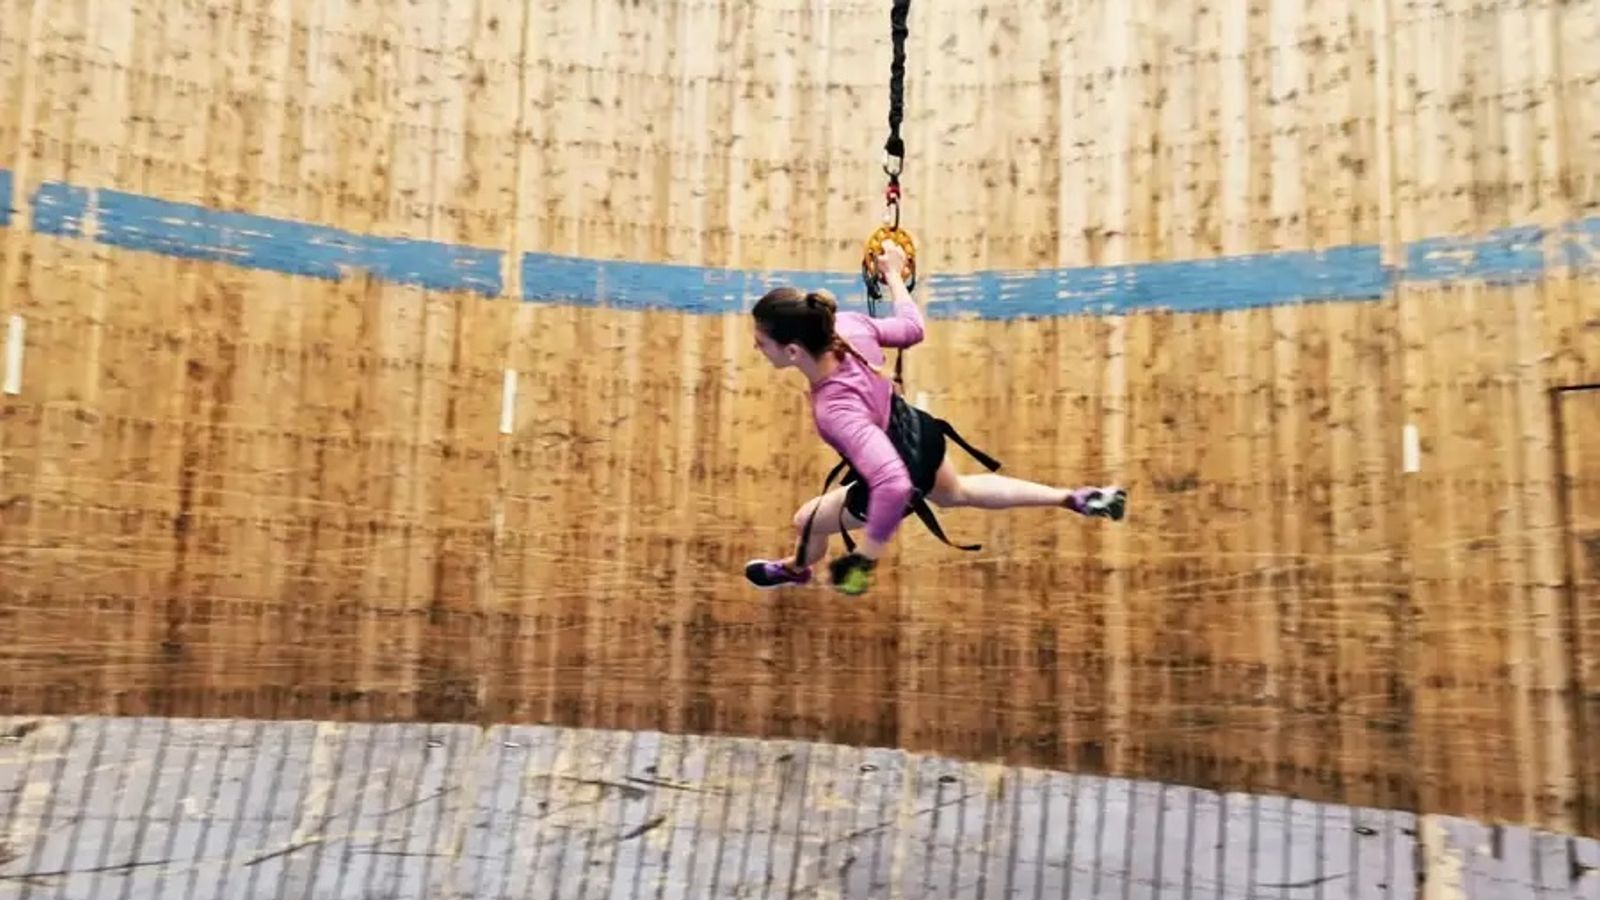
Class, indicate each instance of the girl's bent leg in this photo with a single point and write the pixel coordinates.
(771, 573)
(826, 524)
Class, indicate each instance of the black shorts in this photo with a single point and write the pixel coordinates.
(920, 440)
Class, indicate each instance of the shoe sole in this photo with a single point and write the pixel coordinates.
(1114, 507)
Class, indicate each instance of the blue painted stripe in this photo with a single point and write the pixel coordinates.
(1240, 282)
(60, 209)
(1505, 256)
(1349, 273)
(190, 231)
(1580, 245)
(1346, 273)
(620, 284)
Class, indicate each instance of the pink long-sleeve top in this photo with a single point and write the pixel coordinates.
(851, 411)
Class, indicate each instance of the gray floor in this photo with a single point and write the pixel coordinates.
(177, 809)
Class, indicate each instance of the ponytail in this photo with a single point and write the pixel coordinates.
(842, 348)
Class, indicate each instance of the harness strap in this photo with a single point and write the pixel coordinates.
(920, 505)
(805, 533)
(984, 459)
(925, 513)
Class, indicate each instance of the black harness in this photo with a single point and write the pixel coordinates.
(910, 430)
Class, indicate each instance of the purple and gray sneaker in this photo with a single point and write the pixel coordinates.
(1099, 502)
(768, 574)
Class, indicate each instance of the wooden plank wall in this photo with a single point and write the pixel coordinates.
(227, 491)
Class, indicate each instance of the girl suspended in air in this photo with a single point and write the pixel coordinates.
(894, 453)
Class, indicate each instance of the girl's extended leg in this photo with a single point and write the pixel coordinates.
(988, 490)
(771, 573)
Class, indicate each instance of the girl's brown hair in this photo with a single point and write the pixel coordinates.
(791, 316)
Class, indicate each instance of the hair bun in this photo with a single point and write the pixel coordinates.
(822, 298)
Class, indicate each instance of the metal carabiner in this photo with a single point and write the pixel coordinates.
(891, 202)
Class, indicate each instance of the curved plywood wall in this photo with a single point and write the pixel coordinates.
(1309, 279)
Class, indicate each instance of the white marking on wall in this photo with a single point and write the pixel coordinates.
(1410, 449)
(14, 345)
(508, 403)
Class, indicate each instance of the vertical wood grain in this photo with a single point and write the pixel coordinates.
(241, 492)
